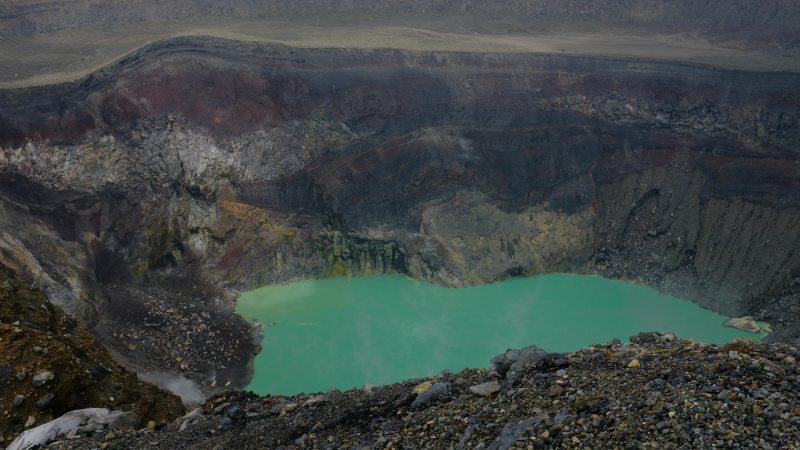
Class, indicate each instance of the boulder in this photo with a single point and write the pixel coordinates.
(517, 359)
(73, 422)
(516, 431)
(436, 390)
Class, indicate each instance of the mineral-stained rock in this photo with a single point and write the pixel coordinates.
(422, 387)
(745, 323)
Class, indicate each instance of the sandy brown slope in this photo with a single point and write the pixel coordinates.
(70, 54)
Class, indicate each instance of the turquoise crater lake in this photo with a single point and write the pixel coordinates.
(347, 332)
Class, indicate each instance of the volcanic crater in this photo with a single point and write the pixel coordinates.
(144, 196)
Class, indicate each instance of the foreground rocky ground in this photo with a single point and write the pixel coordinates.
(655, 392)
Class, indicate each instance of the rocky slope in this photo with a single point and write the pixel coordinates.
(152, 191)
(655, 392)
(50, 364)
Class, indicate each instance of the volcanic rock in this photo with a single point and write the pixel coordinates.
(596, 407)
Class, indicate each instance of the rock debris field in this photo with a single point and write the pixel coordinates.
(658, 391)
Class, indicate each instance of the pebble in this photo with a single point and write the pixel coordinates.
(44, 401)
(235, 412)
(333, 395)
(221, 407)
(42, 378)
(555, 390)
(289, 407)
(315, 400)
(485, 389)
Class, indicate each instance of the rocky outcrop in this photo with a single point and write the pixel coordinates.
(199, 167)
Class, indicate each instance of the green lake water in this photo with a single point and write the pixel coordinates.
(347, 332)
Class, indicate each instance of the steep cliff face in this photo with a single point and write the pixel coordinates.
(215, 164)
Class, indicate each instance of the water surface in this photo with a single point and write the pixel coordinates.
(347, 332)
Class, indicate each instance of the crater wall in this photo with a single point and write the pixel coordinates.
(199, 167)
